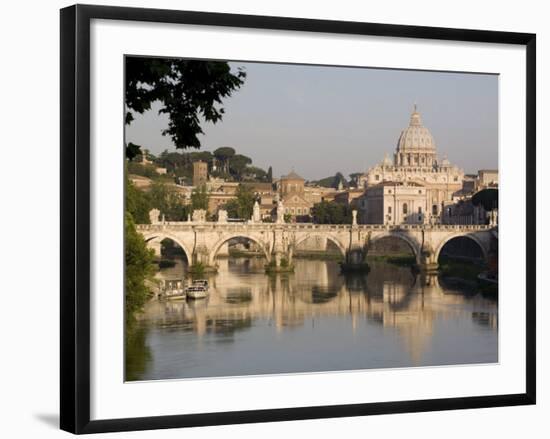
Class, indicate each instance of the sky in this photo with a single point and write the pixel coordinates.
(319, 120)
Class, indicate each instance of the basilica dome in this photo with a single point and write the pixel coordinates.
(416, 137)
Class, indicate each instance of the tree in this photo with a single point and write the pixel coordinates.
(132, 150)
(165, 198)
(238, 164)
(333, 181)
(148, 171)
(199, 198)
(223, 155)
(139, 268)
(137, 203)
(354, 177)
(203, 156)
(339, 178)
(242, 206)
(255, 173)
(331, 213)
(488, 198)
(270, 175)
(188, 90)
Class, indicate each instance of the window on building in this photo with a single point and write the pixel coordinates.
(420, 210)
(434, 209)
(377, 177)
(405, 208)
(299, 211)
(389, 209)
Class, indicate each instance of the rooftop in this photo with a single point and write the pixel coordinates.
(292, 176)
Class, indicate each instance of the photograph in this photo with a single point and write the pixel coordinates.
(295, 218)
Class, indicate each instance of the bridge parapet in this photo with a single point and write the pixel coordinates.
(189, 225)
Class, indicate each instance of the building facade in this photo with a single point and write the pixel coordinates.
(291, 191)
(200, 173)
(413, 188)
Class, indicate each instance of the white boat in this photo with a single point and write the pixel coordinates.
(200, 283)
(196, 292)
(176, 296)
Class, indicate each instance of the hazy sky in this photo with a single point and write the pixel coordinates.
(321, 120)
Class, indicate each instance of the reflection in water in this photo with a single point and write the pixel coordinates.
(137, 353)
(312, 320)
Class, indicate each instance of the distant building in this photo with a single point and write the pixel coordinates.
(266, 196)
(348, 196)
(469, 184)
(200, 173)
(487, 178)
(394, 203)
(421, 184)
(139, 181)
(317, 194)
(484, 179)
(291, 189)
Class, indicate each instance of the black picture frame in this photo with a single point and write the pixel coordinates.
(75, 217)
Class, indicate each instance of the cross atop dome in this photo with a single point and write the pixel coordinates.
(416, 120)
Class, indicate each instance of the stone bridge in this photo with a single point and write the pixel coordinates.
(201, 241)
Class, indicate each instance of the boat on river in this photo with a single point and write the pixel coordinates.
(200, 283)
(176, 296)
(196, 292)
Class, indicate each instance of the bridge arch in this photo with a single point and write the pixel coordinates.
(222, 241)
(330, 238)
(411, 242)
(161, 236)
(471, 236)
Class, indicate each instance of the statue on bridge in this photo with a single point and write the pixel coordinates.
(256, 217)
(222, 216)
(154, 216)
(199, 216)
(280, 212)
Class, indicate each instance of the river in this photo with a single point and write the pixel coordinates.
(312, 320)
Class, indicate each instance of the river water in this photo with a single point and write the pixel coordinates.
(312, 320)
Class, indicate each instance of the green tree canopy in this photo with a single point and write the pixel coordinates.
(199, 198)
(137, 203)
(255, 173)
(238, 164)
(165, 198)
(188, 90)
(139, 268)
(488, 198)
(223, 155)
(332, 181)
(354, 177)
(242, 206)
(331, 213)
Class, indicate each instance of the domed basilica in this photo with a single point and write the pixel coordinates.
(413, 188)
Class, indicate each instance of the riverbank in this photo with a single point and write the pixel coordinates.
(319, 256)
(403, 260)
(468, 273)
